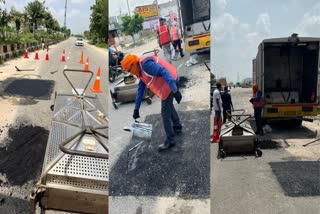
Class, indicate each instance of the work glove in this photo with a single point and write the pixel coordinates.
(177, 96)
(251, 100)
(136, 114)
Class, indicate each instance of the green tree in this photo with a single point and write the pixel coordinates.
(132, 25)
(35, 11)
(4, 21)
(55, 26)
(99, 20)
(86, 34)
(18, 18)
(65, 31)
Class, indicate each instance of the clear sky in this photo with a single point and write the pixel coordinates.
(116, 6)
(78, 12)
(239, 27)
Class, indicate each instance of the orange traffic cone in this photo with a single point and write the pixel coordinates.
(47, 55)
(86, 66)
(81, 58)
(63, 58)
(96, 85)
(26, 53)
(37, 55)
(216, 135)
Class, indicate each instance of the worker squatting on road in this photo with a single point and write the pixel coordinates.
(161, 78)
(217, 104)
(164, 38)
(257, 102)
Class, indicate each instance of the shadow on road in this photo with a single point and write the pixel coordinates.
(284, 130)
(182, 171)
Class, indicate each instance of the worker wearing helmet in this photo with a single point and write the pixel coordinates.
(257, 103)
(164, 38)
(161, 78)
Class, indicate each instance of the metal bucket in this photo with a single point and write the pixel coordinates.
(140, 130)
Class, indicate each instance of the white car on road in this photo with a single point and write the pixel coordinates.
(79, 42)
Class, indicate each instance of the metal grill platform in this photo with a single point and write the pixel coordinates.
(76, 163)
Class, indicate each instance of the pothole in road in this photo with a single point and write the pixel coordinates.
(22, 157)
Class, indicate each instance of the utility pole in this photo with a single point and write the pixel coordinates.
(65, 14)
(128, 8)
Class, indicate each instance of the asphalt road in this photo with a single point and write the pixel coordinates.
(286, 179)
(25, 112)
(175, 181)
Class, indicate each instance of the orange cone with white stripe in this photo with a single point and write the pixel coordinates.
(63, 58)
(81, 58)
(26, 53)
(47, 55)
(215, 138)
(86, 66)
(37, 55)
(96, 85)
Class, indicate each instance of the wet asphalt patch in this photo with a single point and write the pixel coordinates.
(22, 157)
(183, 82)
(182, 171)
(298, 178)
(35, 88)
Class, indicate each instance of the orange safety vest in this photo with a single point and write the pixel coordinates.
(174, 33)
(158, 84)
(164, 36)
(259, 103)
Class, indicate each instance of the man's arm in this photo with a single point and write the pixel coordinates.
(139, 95)
(258, 96)
(218, 103)
(169, 33)
(158, 38)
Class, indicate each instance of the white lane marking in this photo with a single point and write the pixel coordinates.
(65, 67)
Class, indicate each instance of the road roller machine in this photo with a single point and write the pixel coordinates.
(237, 135)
